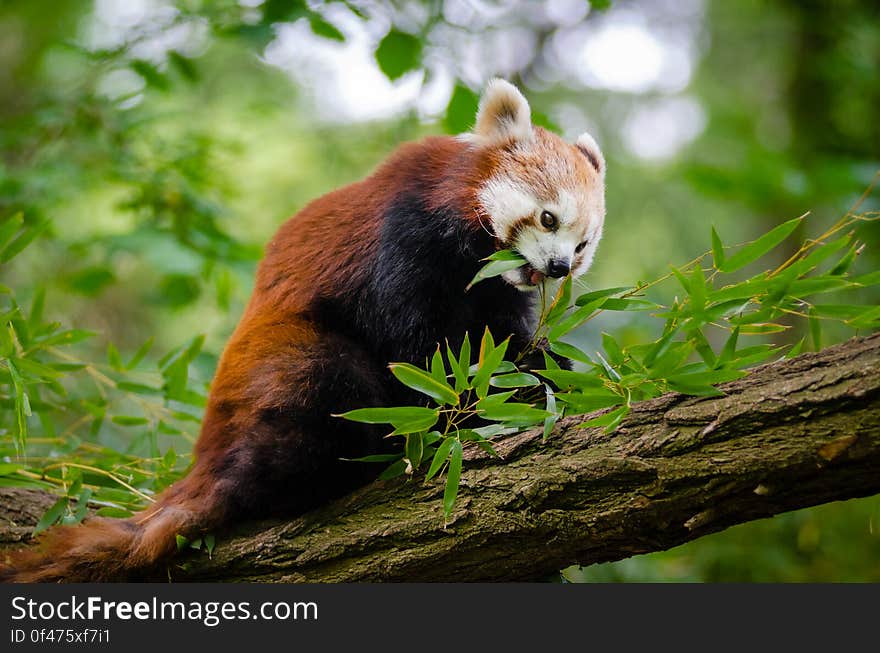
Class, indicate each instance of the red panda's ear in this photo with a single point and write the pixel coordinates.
(590, 149)
(504, 115)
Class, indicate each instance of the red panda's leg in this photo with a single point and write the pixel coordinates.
(276, 448)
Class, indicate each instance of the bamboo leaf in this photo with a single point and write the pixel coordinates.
(626, 304)
(139, 355)
(376, 458)
(717, 250)
(609, 420)
(588, 401)
(560, 301)
(612, 349)
(840, 311)
(417, 379)
(704, 349)
(453, 478)
(52, 515)
(460, 375)
(464, 354)
(845, 263)
(802, 288)
(438, 369)
(129, 420)
(796, 349)
(505, 255)
(698, 289)
(867, 319)
(551, 419)
(113, 357)
(494, 269)
(571, 379)
(14, 248)
(471, 435)
(396, 415)
(567, 350)
(728, 352)
(490, 360)
(574, 320)
(520, 414)
(22, 406)
(414, 449)
(761, 246)
(515, 380)
(393, 470)
(683, 280)
(9, 226)
(589, 297)
(440, 457)
(815, 330)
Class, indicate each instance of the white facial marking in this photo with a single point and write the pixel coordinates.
(505, 202)
(567, 207)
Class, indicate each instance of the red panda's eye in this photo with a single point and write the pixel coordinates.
(581, 246)
(548, 220)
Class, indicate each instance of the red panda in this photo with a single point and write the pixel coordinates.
(369, 273)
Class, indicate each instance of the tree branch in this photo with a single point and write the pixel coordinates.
(790, 435)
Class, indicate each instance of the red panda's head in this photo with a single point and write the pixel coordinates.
(545, 198)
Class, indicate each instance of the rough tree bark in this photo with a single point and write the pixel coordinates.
(792, 434)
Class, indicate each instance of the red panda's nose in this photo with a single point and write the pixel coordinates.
(557, 269)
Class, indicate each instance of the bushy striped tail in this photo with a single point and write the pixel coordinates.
(102, 549)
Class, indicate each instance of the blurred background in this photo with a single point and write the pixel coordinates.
(150, 148)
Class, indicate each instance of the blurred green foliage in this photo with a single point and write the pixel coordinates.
(143, 169)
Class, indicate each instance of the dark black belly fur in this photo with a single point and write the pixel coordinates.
(415, 297)
(413, 300)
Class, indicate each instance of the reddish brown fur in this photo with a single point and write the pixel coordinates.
(324, 248)
(544, 162)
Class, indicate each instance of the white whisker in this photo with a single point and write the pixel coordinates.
(480, 220)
